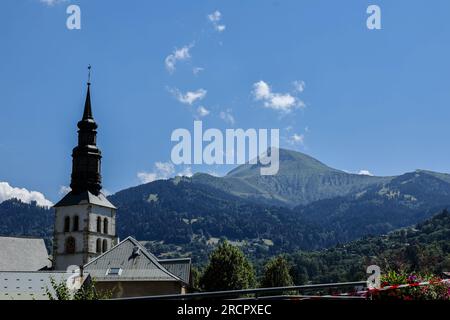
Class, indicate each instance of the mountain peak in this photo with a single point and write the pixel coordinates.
(290, 161)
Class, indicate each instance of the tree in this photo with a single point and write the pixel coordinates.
(195, 278)
(86, 292)
(228, 269)
(276, 273)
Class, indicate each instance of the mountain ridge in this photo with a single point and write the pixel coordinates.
(308, 206)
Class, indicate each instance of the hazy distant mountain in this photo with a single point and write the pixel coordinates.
(307, 205)
(402, 201)
(300, 180)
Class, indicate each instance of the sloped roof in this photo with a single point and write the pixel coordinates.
(86, 197)
(179, 267)
(134, 267)
(23, 254)
(33, 285)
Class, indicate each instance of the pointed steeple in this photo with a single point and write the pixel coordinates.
(86, 156)
(87, 114)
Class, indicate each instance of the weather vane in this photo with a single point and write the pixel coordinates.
(89, 73)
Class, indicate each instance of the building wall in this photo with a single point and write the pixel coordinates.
(124, 289)
(86, 237)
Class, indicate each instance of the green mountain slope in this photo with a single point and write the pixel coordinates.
(187, 216)
(403, 201)
(192, 216)
(424, 248)
(26, 220)
(300, 180)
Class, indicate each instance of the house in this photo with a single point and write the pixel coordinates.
(37, 284)
(129, 270)
(23, 254)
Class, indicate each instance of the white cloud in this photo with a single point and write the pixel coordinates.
(365, 173)
(165, 168)
(283, 102)
(227, 116)
(106, 192)
(297, 138)
(51, 3)
(197, 70)
(177, 55)
(7, 192)
(280, 102)
(299, 85)
(146, 177)
(261, 90)
(187, 172)
(202, 111)
(220, 27)
(162, 170)
(189, 97)
(63, 190)
(215, 18)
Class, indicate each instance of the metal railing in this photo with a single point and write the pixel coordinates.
(262, 293)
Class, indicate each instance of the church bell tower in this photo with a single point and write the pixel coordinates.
(85, 221)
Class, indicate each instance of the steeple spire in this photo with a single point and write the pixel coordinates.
(86, 157)
(87, 114)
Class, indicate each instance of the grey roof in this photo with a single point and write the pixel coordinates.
(32, 285)
(134, 267)
(23, 254)
(86, 197)
(179, 267)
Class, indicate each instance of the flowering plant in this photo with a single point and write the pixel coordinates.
(421, 287)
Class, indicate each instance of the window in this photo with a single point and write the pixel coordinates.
(99, 224)
(75, 223)
(70, 245)
(105, 226)
(105, 245)
(99, 245)
(114, 272)
(66, 224)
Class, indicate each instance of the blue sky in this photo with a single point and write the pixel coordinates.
(354, 98)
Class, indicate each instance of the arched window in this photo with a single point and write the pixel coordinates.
(70, 245)
(99, 224)
(66, 224)
(105, 226)
(75, 223)
(99, 245)
(105, 245)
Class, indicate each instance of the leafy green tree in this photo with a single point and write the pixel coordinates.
(61, 290)
(195, 276)
(86, 292)
(276, 273)
(228, 269)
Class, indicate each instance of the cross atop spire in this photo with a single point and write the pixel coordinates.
(89, 74)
